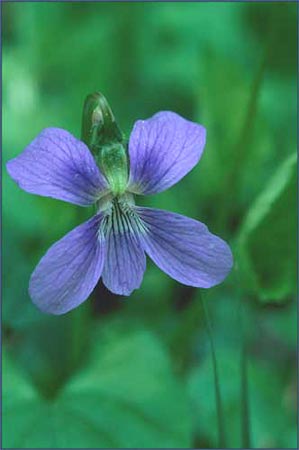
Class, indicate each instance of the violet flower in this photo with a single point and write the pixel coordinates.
(113, 244)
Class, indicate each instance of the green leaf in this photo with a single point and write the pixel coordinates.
(268, 236)
(127, 397)
(272, 403)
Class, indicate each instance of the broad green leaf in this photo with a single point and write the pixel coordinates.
(268, 236)
(127, 397)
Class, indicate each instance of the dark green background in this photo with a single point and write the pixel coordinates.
(136, 372)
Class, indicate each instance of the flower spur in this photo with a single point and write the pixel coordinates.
(113, 244)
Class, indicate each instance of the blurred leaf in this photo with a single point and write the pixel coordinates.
(272, 23)
(18, 311)
(272, 416)
(281, 325)
(127, 397)
(268, 236)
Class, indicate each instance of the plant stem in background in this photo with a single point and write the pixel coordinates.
(245, 412)
(244, 385)
(240, 152)
(219, 406)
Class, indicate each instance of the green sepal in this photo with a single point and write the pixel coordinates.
(112, 160)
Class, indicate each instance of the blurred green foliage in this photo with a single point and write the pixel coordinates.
(269, 225)
(136, 372)
(126, 396)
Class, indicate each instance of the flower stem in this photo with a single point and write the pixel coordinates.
(244, 358)
(219, 405)
(244, 387)
(245, 413)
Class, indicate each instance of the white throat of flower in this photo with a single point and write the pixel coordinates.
(120, 215)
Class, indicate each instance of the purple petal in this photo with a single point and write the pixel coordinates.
(58, 165)
(184, 248)
(70, 269)
(162, 150)
(125, 259)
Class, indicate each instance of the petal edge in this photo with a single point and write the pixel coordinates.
(185, 249)
(162, 150)
(56, 164)
(70, 269)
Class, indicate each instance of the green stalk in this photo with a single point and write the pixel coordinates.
(245, 412)
(241, 152)
(219, 405)
(244, 385)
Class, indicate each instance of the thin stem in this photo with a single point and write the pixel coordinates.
(244, 385)
(240, 152)
(245, 412)
(219, 406)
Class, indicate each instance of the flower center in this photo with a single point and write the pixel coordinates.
(120, 215)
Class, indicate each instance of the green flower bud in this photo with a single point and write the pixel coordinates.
(99, 126)
(103, 137)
